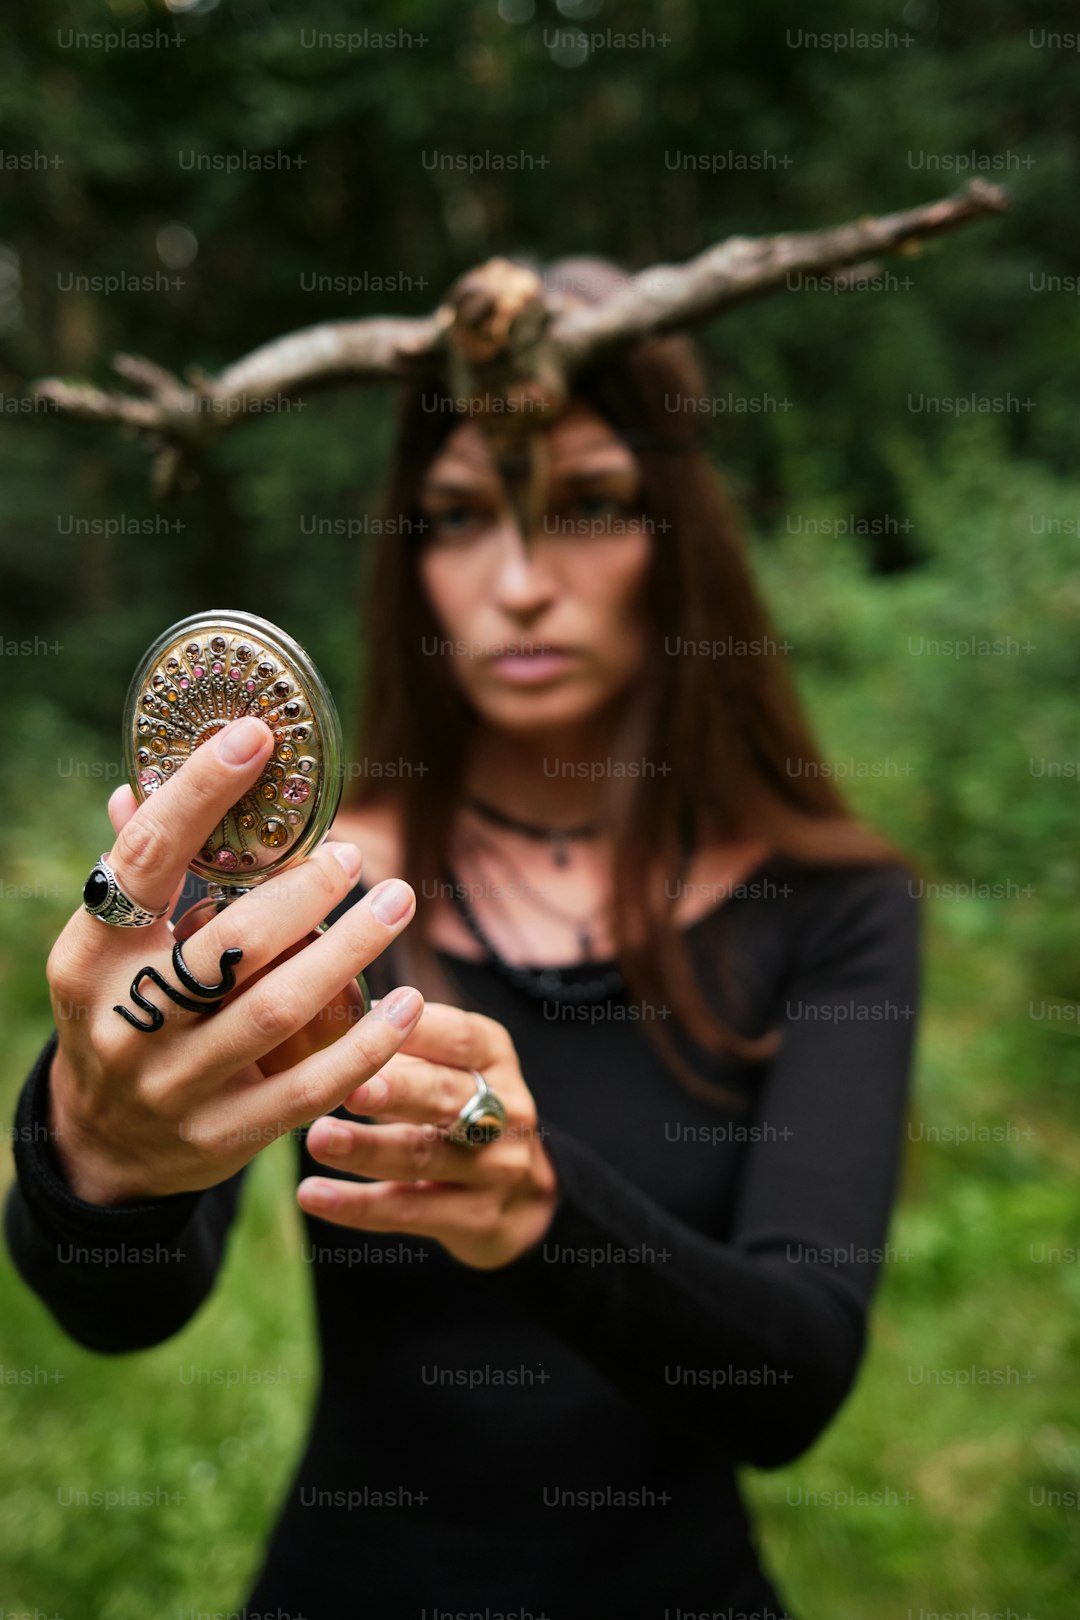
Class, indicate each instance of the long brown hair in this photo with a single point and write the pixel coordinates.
(741, 761)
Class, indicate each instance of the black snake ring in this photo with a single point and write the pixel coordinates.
(208, 992)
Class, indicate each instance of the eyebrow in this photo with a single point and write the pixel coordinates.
(464, 484)
(585, 475)
(454, 486)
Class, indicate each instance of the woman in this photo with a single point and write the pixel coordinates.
(655, 932)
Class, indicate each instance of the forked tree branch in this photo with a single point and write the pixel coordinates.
(499, 339)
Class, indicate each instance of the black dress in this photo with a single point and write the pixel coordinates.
(558, 1438)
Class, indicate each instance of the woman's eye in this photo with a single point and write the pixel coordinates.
(597, 506)
(453, 522)
(597, 510)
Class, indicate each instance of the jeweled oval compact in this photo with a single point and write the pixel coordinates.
(200, 674)
(212, 668)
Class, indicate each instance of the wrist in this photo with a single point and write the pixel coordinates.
(76, 1158)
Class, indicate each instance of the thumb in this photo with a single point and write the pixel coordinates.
(122, 806)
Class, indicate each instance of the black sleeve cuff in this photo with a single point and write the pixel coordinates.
(49, 1197)
(601, 1222)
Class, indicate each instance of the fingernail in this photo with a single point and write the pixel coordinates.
(401, 1007)
(320, 1193)
(241, 741)
(374, 1092)
(390, 900)
(337, 1137)
(349, 857)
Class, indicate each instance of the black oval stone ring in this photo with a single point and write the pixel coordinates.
(104, 899)
(481, 1119)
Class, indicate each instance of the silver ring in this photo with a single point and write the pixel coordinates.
(104, 899)
(482, 1118)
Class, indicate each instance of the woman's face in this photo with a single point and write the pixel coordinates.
(544, 636)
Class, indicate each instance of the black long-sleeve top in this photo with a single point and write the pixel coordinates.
(557, 1438)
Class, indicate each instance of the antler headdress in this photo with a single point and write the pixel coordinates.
(501, 342)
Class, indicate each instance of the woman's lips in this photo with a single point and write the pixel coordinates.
(532, 665)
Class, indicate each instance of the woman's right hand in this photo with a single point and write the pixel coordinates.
(138, 1115)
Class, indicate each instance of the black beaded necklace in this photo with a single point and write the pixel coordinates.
(543, 984)
(550, 983)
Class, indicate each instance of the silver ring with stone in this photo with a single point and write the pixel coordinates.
(104, 899)
(482, 1118)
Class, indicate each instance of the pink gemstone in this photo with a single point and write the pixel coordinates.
(149, 781)
(249, 686)
(234, 674)
(198, 672)
(296, 790)
(216, 667)
(184, 683)
(225, 857)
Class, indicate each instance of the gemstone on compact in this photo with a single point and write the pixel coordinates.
(296, 790)
(273, 832)
(149, 781)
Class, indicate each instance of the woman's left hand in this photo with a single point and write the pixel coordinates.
(485, 1205)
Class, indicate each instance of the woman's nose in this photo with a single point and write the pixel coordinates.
(523, 581)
